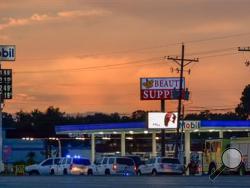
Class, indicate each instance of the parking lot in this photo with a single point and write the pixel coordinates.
(122, 182)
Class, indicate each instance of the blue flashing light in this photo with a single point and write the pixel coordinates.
(67, 156)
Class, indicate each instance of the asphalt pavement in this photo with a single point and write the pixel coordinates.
(123, 182)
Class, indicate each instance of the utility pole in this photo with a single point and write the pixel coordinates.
(245, 49)
(182, 133)
(180, 62)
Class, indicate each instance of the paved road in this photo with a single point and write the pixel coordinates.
(123, 182)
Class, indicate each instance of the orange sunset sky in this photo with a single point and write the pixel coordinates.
(63, 48)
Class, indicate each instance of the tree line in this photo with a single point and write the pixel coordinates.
(41, 124)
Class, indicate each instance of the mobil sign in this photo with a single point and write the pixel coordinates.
(159, 88)
(188, 125)
(7, 52)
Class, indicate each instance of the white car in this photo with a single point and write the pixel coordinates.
(47, 167)
(115, 166)
(75, 166)
(160, 165)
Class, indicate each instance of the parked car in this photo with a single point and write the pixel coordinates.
(75, 166)
(115, 166)
(137, 161)
(161, 165)
(47, 167)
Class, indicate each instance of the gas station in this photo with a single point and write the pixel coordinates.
(125, 129)
(158, 122)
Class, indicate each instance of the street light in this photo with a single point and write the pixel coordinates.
(129, 138)
(80, 138)
(28, 138)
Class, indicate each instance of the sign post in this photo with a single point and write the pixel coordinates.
(163, 88)
(7, 53)
(163, 133)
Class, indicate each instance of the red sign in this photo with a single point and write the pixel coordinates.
(160, 88)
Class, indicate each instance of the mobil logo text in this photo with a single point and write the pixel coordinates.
(7, 52)
(190, 124)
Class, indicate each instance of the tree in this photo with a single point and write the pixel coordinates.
(139, 115)
(8, 121)
(39, 124)
(243, 109)
(206, 115)
(24, 121)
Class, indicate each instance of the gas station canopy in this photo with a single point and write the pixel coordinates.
(140, 127)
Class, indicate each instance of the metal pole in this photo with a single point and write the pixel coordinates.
(179, 102)
(1, 129)
(182, 132)
(123, 144)
(153, 144)
(92, 147)
(187, 148)
(1, 135)
(163, 131)
(59, 148)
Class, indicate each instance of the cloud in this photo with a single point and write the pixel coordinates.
(13, 22)
(218, 27)
(23, 97)
(35, 18)
(79, 13)
(4, 38)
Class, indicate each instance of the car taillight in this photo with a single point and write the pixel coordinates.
(135, 168)
(114, 166)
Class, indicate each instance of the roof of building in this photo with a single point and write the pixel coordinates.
(141, 126)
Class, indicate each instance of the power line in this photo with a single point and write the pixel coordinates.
(212, 51)
(219, 37)
(87, 68)
(149, 47)
(219, 55)
(109, 53)
(107, 67)
(104, 67)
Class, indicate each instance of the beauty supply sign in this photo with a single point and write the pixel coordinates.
(159, 88)
(162, 120)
